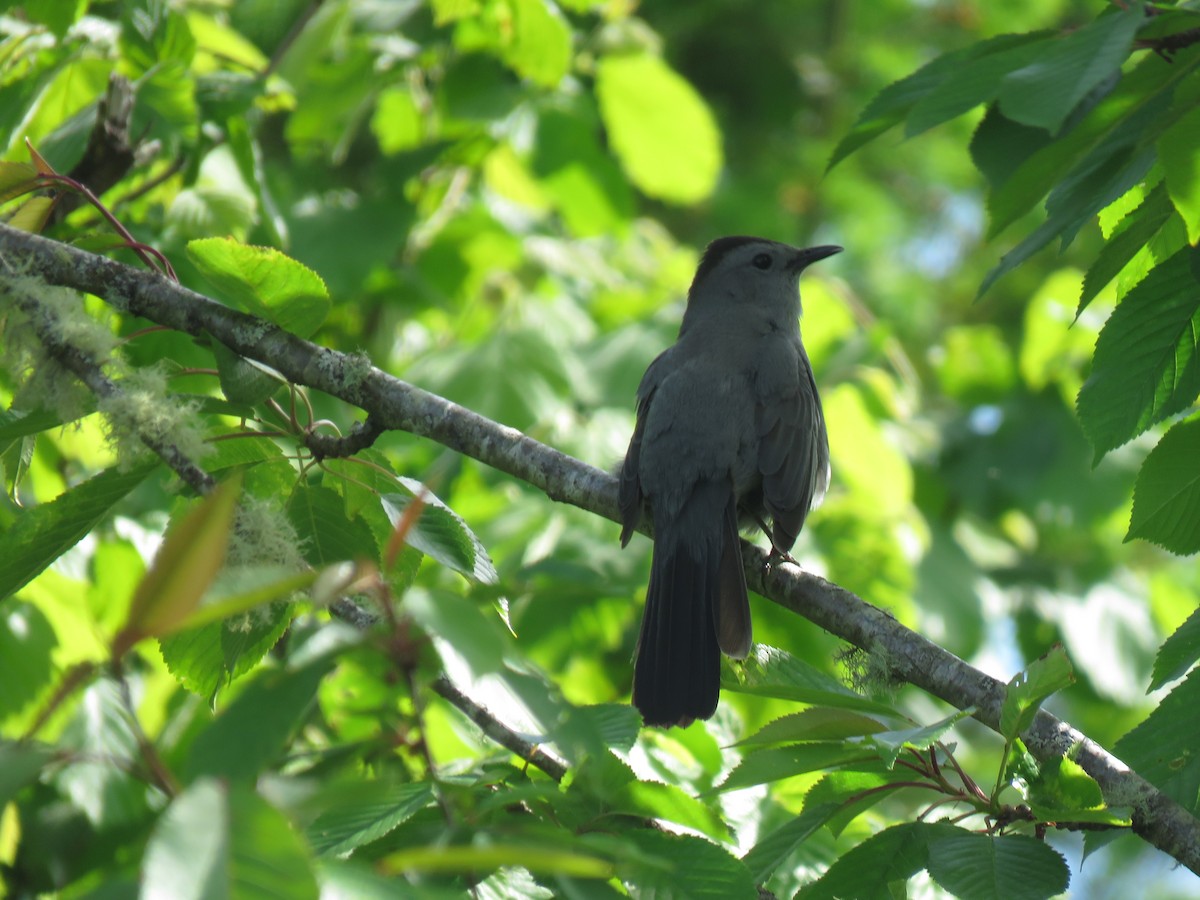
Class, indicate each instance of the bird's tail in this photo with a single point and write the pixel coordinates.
(696, 606)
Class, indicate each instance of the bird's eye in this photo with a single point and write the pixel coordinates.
(762, 261)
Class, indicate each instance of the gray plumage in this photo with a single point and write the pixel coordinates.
(729, 424)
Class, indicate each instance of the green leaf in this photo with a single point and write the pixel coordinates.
(462, 630)
(218, 840)
(770, 672)
(207, 658)
(1162, 749)
(191, 555)
(1063, 792)
(329, 535)
(1127, 113)
(1181, 169)
(364, 811)
(532, 854)
(854, 791)
(20, 764)
(1146, 367)
(539, 42)
(892, 743)
(16, 179)
(1139, 226)
(776, 763)
(1045, 91)
(1000, 145)
(254, 730)
(244, 380)
(891, 105)
(26, 641)
(1166, 498)
(815, 724)
(868, 870)
(975, 82)
(42, 534)
(255, 587)
(264, 282)
(1076, 199)
(441, 534)
(102, 746)
(773, 850)
(694, 867)
(1178, 653)
(984, 867)
(1027, 690)
(660, 129)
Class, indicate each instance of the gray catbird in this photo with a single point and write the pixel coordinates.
(729, 426)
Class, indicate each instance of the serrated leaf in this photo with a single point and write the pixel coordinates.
(985, 867)
(1044, 92)
(773, 850)
(442, 534)
(892, 743)
(1141, 225)
(319, 516)
(854, 791)
(1162, 749)
(975, 82)
(1074, 201)
(868, 870)
(891, 105)
(1138, 96)
(16, 423)
(695, 867)
(273, 585)
(815, 724)
(771, 672)
(363, 812)
(264, 282)
(776, 763)
(999, 146)
(1146, 366)
(191, 555)
(1178, 653)
(660, 129)
(1063, 792)
(207, 658)
(42, 534)
(1166, 498)
(1027, 690)
(1181, 169)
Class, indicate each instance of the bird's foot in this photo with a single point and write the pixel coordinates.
(779, 555)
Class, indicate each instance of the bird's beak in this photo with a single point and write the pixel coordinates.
(804, 258)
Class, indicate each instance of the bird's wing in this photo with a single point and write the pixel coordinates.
(793, 449)
(629, 493)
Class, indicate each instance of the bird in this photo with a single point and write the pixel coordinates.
(729, 431)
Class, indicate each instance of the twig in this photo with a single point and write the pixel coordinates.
(530, 752)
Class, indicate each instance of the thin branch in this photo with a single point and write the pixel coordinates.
(394, 404)
(505, 737)
(74, 360)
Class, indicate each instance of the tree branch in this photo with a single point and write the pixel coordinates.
(393, 404)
